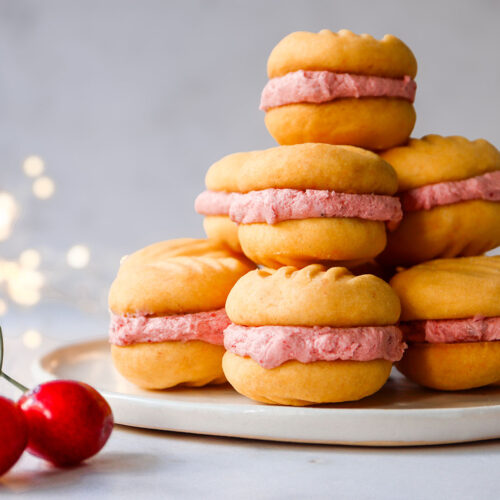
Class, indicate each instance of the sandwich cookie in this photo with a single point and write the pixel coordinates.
(308, 336)
(221, 182)
(451, 321)
(450, 193)
(314, 203)
(340, 88)
(167, 312)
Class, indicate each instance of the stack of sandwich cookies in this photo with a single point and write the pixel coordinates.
(340, 88)
(315, 335)
(167, 306)
(450, 194)
(311, 203)
(305, 334)
(451, 321)
(221, 182)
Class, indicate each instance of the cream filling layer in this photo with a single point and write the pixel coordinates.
(322, 86)
(271, 346)
(275, 205)
(140, 328)
(448, 331)
(213, 202)
(482, 187)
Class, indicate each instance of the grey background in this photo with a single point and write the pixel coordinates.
(129, 102)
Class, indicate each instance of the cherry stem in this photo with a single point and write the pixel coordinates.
(17, 384)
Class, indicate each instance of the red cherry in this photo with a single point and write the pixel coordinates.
(13, 434)
(68, 421)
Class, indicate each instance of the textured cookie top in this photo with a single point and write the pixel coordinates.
(450, 288)
(223, 174)
(312, 296)
(175, 277)
(342, 52)
(344, 169)
(435, 158)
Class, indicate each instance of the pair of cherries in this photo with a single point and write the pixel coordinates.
(63, 422)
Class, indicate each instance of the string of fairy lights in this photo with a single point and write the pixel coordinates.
(23, 280)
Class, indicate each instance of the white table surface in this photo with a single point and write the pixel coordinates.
(150, 464)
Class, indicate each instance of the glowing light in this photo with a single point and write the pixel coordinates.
(44, 188)
(8, 213)
(23, 286)
(3, 307)
(32, 339)
(78, 256)
(33, 166)
(30, 259)
(24, 296)
(8, 270)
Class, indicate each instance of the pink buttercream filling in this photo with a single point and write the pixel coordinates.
(213, 202)
(271, 346)
(324, 86)
(439, 331)
(482, 187)
(206, 326)
(276, 205)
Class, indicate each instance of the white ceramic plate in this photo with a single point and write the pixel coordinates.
(401, 414)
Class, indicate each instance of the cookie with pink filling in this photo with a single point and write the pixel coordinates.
(340, 88)
(450, 194)
(167, 312)
(309, 336)
(214, 203)
(309, 203)
(451, 321)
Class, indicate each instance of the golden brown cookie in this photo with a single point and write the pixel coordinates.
(168, 364)
(453, 227)
(271, 306)
(464, 229)
(223, 174)
(176, 276)
(345, 169)
(373, 123)
(370, 122)
(222, 229)
(313, 296)
(342, 52)
(299, 384)
(452, 367)
(173, 284)
(450, 288)
(441, 295)
(301, 242)
(435, 158)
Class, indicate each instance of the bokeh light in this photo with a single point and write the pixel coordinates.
(25, 288)
(32, 339)
(8, 269)
(8, 213)
(33, 166)
(78, 256)
(23, 284)
(44, 187)
(30, 259)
